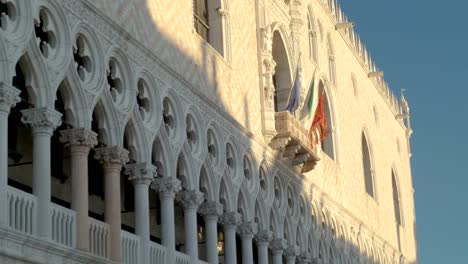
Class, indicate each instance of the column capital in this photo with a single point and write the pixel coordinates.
(190, 199)
(78, 137)
(278, 245)
(304, 258)
(231, 219)
(42, 119)
(211, 209)
(9, 97)
(141, 173)
(112, 155)
(247, 229)
(291, 252)
(264, 236)
(167, 186)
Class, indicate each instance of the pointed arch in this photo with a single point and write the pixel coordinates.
(329, 144)
(206, 184)
(282, 78)
(163, 157)
(312, 34)
(184, 170)
(108, 124)
(135, 141)
(396, 198)
(225, 195)
(368, 168)
(331, 60)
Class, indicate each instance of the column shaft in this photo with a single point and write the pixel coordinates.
(211, 234)
(262, 248)
(277, 257)
(3, 167)
(247, 252)
(230, 256)
(167, 221)
(142, 225)
(42, 181)
(79, 202)
(191, 240)
(112, 208)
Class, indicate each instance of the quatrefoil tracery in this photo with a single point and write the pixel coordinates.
(114, 81)
(7, 12)
(82, 58)
(45, 34)
(143, 101)
(192, 137)
(168, 117)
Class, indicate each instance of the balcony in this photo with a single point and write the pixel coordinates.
(21, 209)
(293, 141)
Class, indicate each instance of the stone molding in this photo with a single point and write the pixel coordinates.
(78, 137)
(141, 173)
(9, 97)
(278, 245)
(190, 199)
(264, 236)
(211, 209)
(167, 187)
(231, 219)
(42, 120)
(112, 155)
(247, 230)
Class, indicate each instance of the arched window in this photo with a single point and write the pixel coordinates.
(367, 165)
(331, 61)
(312, 38)
(396, 199)
(208, 16)
(282, 77)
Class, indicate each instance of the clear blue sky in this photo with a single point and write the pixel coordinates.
(422, 46)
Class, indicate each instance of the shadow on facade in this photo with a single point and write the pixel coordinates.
(156, 108)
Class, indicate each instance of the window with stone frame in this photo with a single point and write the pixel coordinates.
(200, 18)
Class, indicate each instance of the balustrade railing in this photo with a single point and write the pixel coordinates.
(63, 225)
(181, 258)
(157, 253)
(130, 247)
(98, 238)
(21, 210)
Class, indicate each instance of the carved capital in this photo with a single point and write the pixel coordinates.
(190, 199)
(78, 137)
(42, 120)
(112, 155)
(291, 252)
(263, 236)
(9, 97)
(211, 209)
(141, 173)
(278, 245)
(304, 258)
(247, 229)
(231, 219)
(167, 187)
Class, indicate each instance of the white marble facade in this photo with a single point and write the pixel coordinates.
(127, 135)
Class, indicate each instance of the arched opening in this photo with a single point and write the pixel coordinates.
(282, 76)
(19, 134)
(367, 167)
(396, 207)
(331, 61)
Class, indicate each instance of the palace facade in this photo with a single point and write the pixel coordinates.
(155, 131)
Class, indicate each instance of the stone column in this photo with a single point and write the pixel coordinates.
(43, 122)
(211, 211)
(167, 188)
(247, 231)
(9, 97)
(112, 159)
(290, 254)
(141, 175)
(190, 201)
(80, 141)
(230, 222)
(263, 238)
(277, 247)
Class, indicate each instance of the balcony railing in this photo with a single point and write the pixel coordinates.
(21, 212)
(292, 139)
(98, 238)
